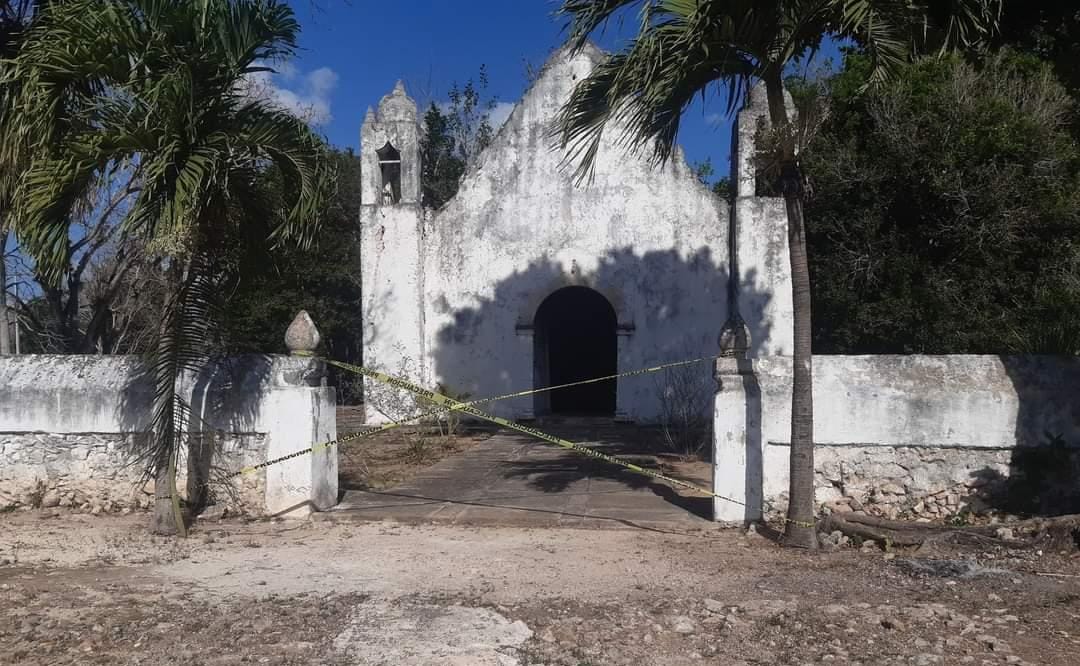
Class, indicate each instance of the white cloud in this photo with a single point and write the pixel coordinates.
(305, 95)
(500, 114)
(715, 119)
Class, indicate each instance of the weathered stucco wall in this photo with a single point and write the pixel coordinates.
(925, 434)
(760, 239)
(651, 240)
(468, 278)
(71, 427)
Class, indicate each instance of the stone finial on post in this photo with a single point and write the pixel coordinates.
(302, 335)
(734, 338)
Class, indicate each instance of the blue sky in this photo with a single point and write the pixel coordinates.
(354, 50)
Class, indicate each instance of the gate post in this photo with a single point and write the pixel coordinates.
(737, 446)
(300, 411)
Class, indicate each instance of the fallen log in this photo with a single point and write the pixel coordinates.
(1059, 532)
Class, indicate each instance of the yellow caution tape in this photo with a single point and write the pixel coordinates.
(364, 434)
(446, 404)
(466, 408)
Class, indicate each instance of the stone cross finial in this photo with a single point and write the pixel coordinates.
(734, 338)
(302, 336)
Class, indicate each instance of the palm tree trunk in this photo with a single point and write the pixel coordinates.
(167, 517)
(5, 332)
(799, 530)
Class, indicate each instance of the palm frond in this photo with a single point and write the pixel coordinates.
(185, 342)
(645, 90)
(303, 160)
(683, 47)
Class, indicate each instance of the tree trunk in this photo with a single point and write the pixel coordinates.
(5, 330)
(167, 517)
(800, 530)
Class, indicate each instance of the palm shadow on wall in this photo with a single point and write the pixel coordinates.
(217, 409)
(677, 305)
(1043, 476)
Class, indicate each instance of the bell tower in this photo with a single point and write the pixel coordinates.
(390, 140)
(392, 245)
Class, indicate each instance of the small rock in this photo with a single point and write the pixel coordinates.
(714, 606)
(764, 609)
(927, 659)
(994, 643)
(1004, 533)
(50, 499)
(214, 512)
(893, 623)
(683, 625)
(840, 507)
(993, 598)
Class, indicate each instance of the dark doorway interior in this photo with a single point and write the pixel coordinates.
(574, 337)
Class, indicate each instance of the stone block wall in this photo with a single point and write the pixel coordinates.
(71, 428)
(94, 471)
(904, 436)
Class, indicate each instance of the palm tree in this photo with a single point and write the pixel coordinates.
(15, 17)
(159, 85)
(684, 47)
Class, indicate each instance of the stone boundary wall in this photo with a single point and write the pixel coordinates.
(915, 436)
(71, 427)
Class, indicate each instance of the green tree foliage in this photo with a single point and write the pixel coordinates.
(442, 166)
(706, 174)
(946, 211)
(15, 18)
(323, 279)
(1049, 30)
(454, 135)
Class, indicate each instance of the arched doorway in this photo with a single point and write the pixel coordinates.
(574, 339)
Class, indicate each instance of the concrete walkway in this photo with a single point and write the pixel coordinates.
(516, 480)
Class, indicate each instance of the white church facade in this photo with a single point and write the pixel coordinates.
(527, 279)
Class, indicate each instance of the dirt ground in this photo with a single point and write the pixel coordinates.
(99, 590)
(395, 456)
